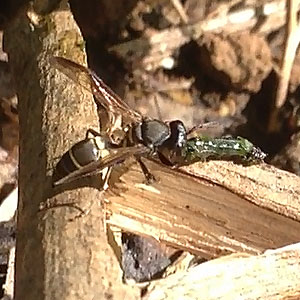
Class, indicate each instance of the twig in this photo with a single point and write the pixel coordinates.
(291, 45)
(178, 6)
(292, 40)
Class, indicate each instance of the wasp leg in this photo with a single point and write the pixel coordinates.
(149, 176)
(92, 132)
(48, 204)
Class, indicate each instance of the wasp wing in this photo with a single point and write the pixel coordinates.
(91, 82)
(116, 156)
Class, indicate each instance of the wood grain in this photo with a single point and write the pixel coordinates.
(272, 275)
(210, 208)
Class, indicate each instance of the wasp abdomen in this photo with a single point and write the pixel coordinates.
(84, 152)
(81, 154)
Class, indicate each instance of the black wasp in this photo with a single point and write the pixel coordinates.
(141, 136)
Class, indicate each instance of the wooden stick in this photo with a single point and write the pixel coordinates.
(61, 259)
(209, 209)
(272, 275)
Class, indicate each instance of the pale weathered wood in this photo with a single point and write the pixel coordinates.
(263, 184)
(272, 275)
(189, 211)
(56, 258)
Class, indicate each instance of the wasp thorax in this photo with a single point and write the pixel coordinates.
(151, 133)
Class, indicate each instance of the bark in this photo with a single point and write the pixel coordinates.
(55, 258)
